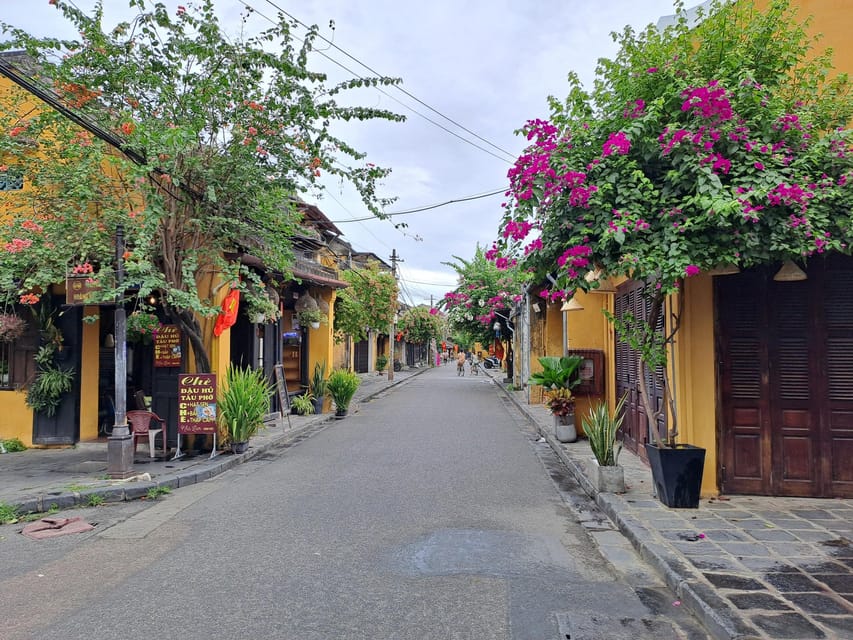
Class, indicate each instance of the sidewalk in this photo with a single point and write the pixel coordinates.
(746, 566)
(35, 480)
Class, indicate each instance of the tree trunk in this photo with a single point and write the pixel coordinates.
(190, 327)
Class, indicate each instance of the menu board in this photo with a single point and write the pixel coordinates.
(167, 346)
(197, 403)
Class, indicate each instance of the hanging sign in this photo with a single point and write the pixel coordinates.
(197, 403)
(80, 288)
(167, 346)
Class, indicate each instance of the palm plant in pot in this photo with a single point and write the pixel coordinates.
(558, 378)
(243, 403)
(602, 428)
(341, 387)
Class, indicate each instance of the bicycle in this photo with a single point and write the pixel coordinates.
(475, 368)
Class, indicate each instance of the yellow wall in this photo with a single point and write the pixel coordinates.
(695, 375)
(89, 370)
(17, 421)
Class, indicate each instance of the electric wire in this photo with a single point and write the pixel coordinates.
(376, 73)
(382, 91)
(428, 207)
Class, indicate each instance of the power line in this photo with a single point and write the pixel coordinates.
(428, 207)
(404, 105)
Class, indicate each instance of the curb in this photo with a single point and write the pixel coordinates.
(717, 615)
(205, 470)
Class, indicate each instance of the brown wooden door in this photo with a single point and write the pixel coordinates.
(785, 371)
(635, 434)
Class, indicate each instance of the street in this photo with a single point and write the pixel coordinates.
(432, 513)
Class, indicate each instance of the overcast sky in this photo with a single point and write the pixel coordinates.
(488, 65)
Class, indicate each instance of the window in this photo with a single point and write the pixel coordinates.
(17, 359)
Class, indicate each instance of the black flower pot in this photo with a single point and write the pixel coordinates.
(239, 447)
(677, 474)
(340, 414)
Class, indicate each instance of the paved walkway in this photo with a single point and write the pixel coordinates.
(37, 479)
(746, 566)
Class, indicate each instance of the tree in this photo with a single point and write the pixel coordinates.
(419, 325)
(196, 143)
(486, 291)
(368, 303)
(719, 144)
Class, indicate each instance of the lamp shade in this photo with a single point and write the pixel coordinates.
(571, 305)
(724, 270)
(790, 272)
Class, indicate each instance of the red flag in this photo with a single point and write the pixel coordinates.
(228, 316)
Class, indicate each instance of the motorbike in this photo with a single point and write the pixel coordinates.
(492, 362)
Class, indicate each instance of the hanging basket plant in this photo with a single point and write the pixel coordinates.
(12, 327)
(142, 327)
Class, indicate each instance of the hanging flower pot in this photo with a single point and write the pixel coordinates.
(12, 327)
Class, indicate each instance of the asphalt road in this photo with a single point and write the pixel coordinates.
(432, 513)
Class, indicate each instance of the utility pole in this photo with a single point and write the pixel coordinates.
(393, 331)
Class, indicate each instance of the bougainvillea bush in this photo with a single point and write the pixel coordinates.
(195, 140)
(486, 292)
(719, 143)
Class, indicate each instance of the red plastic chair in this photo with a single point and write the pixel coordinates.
(140, 427)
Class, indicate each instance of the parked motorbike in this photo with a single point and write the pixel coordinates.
(492, 362)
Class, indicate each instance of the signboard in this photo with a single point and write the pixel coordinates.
(197, 403)
(281, 389)
(79, 289)
(167, 346)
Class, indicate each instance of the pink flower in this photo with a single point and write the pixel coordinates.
(652, 70)
(617, 143)
(758, 166)
(691, 270)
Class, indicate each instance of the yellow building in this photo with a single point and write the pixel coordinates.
(762, 365)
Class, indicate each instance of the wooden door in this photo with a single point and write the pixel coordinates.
(785, 372)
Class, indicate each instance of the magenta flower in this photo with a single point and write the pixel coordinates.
(617, 143)
(691, 270)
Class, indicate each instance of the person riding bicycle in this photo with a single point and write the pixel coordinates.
(475, 364)
(460, 364)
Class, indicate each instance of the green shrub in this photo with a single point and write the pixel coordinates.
(304, 404)
(341, 386)
(244, 402)
(381, 362)
(11, 445)
(46, 391)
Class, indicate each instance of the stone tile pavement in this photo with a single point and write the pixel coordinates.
(746, 566)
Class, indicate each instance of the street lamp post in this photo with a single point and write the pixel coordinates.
(120, 442)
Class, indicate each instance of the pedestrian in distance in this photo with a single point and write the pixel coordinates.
(460, 364)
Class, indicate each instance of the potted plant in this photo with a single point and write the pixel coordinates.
(341, 387)
(381, 362)
(303, 403)
(12, 327)
(601, 428)
(311, 317)
(558, 378)
(243, 403)
(561, 402)
(317, 386)
(142, 327)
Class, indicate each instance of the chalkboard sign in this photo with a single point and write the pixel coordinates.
(281, 388)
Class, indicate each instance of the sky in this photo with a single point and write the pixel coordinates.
(473, 73)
